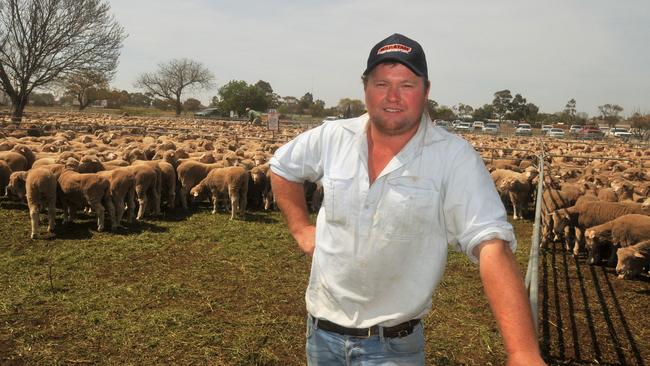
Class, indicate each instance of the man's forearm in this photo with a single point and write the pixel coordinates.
(506, 293)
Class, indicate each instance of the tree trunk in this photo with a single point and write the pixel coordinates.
(179, 106)
(18, 107)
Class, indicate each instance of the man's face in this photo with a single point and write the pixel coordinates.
(395, 98)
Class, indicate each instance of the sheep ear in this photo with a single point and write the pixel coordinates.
(639, 255)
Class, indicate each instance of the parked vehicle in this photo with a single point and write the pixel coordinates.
(546, 128)
(463, 127)
(620, 132)
(556, 133)
(491, 128)
(574, 129)
(590, 133)
(523, 129)
(477, 125)
(208, 112)
(443, 124)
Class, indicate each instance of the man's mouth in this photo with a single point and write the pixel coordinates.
(393, 110)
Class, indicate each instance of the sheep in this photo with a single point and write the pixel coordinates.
(516, 186)
(39, 187)
(257, 187)
(190, 173)
(14, 160)
(147, 181)
(121, 191)
(554, 199)
(26, 152)
(584, 215)
(633, 260)
(621, 232)
(5, 172)
(76, 188)
(230, 180)
(166, 179)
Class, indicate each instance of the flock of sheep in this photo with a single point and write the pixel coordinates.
(592, 202)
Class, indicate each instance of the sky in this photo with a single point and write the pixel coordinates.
(595, 51)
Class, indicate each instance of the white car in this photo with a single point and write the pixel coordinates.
(524, 129)
(491, 128)
(463, 127)
(477, 125)
(556, 133)
(575, 129)
(546, 128)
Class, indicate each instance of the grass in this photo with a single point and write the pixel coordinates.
(197, 289)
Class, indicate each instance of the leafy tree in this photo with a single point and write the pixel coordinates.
(192, 104)
(317, 109)
(610, 113)
(463, 109)
(115, 98)
(265, 86)
(570, 108)
(43, 99)
(140, 99)
(306, 101)
(444, 112)
(431, 107)
(237, 95)
(85, 86)
(172, 78)
(640, 125)
(484, 113)
(501, 103)
(354, 107)
(45, 40)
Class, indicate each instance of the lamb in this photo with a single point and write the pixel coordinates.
(233, 180)
(553, 199)
(256, 188)
(621, 232)
(633, 260)
(39, 186)
(26, 152)
(76, 188)
(584, 215)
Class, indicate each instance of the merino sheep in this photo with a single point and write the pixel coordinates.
(230, 180)
(516, 186)
(77, 188)
(583, 215)
(39, 187)
(190, 173)
(16, 162)
(5, 172)
(604, 239)
(166, 179)
(633, 260)
(121, 193)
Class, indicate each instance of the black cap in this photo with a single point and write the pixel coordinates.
(402, 49)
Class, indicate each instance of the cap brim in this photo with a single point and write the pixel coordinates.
(398, 60)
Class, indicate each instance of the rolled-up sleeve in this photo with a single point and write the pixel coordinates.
(473, 209)
(300, 159)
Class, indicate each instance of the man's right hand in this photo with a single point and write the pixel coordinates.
(306, 238)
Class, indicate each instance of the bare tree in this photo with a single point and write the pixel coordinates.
(86, 86)
(173, 77)
(45, 40)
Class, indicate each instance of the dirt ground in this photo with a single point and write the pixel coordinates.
(588, 316)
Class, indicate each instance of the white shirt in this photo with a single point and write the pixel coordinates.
(381, 249)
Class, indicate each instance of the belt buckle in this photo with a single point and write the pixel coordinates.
(402, 333)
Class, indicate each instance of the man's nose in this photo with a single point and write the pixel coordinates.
(393, 94)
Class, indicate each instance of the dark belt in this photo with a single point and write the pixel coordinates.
(397, 331)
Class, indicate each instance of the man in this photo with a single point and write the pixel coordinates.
(397, 190)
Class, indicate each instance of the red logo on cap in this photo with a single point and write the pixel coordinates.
(395, 47)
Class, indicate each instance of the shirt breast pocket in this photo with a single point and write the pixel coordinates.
(409, 208)
(337, 189)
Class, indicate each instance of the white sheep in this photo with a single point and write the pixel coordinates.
(39, 187)
(230, 180)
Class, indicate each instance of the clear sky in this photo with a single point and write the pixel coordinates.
(596, 51)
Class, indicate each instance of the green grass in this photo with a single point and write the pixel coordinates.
(192, 290)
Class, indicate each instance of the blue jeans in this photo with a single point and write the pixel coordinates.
(328, 348)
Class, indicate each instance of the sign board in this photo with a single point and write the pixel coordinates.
(273, 121)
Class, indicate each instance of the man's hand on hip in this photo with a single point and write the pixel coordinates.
(306, 238)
